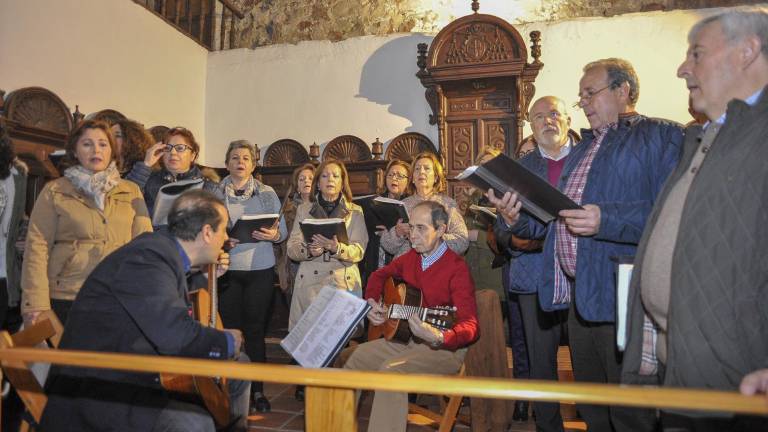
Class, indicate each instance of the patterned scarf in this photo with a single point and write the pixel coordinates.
(238, 195)
(94, 185)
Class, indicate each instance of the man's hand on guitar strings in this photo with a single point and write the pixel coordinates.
(378, 313)
(424, 331)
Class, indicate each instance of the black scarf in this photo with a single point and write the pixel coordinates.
(328, 206)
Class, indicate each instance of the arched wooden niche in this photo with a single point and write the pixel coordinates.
(406, 146)
(38, 108)
(285, 152)
(347, 148)
(478, 84)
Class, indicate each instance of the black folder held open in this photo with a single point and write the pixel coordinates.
(504, 174)
(325, 227)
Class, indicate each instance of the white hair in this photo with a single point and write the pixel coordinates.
(737, 24)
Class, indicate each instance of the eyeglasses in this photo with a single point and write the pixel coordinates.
(587, 96)
(180, 148)
(396, 176)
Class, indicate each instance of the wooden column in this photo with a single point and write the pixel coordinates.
(330, 409)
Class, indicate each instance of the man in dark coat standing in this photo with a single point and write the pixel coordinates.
(700, 284)
(136, 301)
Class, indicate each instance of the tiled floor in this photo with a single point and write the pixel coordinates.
(288, 414)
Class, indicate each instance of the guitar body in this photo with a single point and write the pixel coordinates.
(396, 329)
(212, 391)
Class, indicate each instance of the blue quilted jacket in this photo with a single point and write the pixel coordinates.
(627, 174)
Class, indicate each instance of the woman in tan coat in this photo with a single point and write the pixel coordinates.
(77, 220)
(326, 261)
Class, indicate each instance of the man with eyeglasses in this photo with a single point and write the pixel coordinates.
(550, 123)
(615, 174)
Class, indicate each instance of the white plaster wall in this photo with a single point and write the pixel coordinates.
(104, 54)
(315, 91)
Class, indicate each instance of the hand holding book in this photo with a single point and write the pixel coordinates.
(508, 206)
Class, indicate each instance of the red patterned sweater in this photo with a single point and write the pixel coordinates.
(447, 282)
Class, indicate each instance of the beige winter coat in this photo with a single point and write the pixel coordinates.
(339, 271)
(68, 236)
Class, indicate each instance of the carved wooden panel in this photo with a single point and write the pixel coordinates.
(480, 42)
(107, 115)
(461, 138)
(347, 148)
(286, 152)
(405, 146)
(38, 108)
(497, 134)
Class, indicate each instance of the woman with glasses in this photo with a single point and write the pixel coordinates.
(396, 187)
(179, 154)
(428, 182)
(137, 152)
(301, 185)
(78, 219)
(327, 261)
(247, 296)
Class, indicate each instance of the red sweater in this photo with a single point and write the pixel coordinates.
(447, 282)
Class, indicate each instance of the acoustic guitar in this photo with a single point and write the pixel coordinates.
(403, 301)
(212, 391)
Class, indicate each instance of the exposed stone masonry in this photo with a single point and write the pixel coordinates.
(291, 21)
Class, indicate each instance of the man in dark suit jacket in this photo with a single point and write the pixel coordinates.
(136, 301)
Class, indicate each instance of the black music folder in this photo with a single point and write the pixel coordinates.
(380, 210)
(504, 174)
(247, 224)
(325, 227)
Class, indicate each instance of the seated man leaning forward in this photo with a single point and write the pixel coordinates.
(136, 302)
(444, 280)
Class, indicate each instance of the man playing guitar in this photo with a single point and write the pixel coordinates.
(444, 280)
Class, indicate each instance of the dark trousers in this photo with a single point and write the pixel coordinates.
(520, 363)
(681, 423)
(61, 309)
(543, 331)
(596, 359)
(244, 304)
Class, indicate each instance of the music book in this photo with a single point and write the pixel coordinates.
(325, 328)
(167, 195)
(325, 227)
(487, 215)
(244, 227)
(504, 174)
(624, 267)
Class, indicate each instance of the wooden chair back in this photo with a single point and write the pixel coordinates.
(47, 329)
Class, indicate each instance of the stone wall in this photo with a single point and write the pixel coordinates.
(270, 22)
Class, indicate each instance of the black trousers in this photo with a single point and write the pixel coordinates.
(543, 332)
(244, 304)
(673, 422)
(596, 359)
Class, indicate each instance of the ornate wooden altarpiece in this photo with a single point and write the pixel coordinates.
(479, 84)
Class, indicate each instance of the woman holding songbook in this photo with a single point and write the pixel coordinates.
(327, 261)
(428, 180)
(179, 153)
(77, 220)
(245, 299)
(396, 187)
(301, 187)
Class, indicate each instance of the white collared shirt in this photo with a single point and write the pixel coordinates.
(564, 151)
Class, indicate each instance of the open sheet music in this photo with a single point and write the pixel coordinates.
(325, 327)
(167, 195)
(623, 277)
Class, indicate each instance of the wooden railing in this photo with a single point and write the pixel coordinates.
(212, 23)
(330, 392)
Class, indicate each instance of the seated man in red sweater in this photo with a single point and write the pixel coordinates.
(444, 280)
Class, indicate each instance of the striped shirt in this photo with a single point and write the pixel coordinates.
(427, 261)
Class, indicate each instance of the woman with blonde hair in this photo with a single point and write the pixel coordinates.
(77, 220)
(429, 183)
(327, 261)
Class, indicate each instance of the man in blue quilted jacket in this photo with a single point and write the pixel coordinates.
(615, 174)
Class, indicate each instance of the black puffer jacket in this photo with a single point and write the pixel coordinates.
(161, 178)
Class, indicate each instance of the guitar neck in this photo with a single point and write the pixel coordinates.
(398, 311)
(213, 289)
